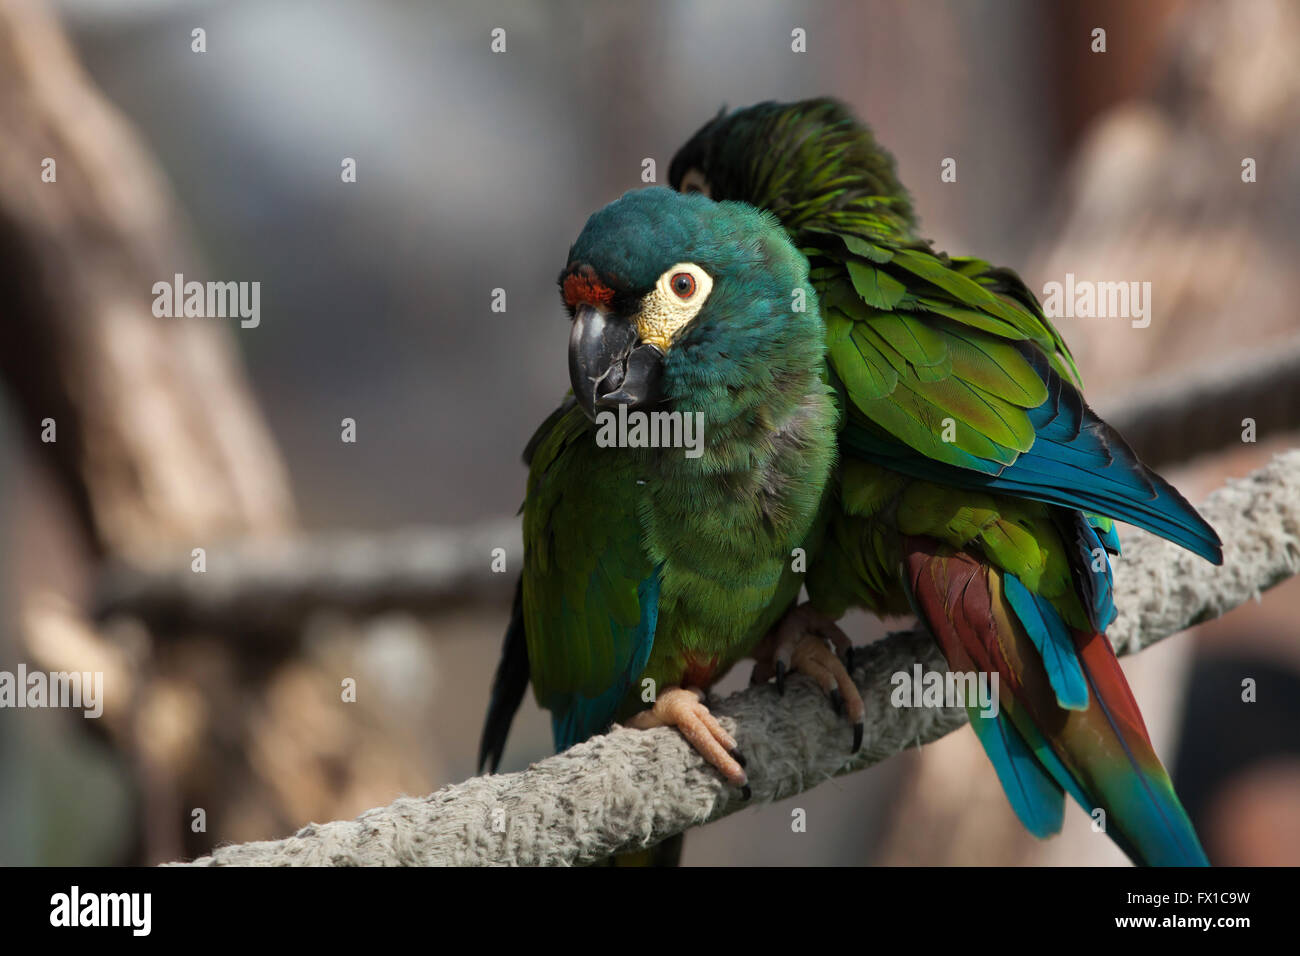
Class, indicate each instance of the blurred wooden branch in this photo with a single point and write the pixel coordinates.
(1179, 417)
(631, 788)
(269, 587)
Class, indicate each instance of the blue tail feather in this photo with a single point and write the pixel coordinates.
(1046, 629)
(1034, 795)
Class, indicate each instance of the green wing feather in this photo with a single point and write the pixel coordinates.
(590, 591)
(925, 346)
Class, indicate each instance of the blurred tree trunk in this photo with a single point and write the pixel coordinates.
(159, 449)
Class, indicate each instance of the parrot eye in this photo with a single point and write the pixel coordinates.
(676, 299)
(694, 182)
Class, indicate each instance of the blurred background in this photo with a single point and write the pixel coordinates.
(370, 559)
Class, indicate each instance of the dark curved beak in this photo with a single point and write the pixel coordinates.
(608, 367)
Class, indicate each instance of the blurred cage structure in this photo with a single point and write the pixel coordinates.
(175, 441)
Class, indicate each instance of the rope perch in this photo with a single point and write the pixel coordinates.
(629, 789)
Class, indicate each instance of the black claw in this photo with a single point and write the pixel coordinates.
(745, 792)
(737, 756)
(848, 659)
(837, 701)
(780, 677)
(858, 728)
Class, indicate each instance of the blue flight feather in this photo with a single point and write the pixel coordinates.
(1097, 581)
(1046, 629)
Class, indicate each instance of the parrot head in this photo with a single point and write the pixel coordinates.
(670, 293)
(797, 159)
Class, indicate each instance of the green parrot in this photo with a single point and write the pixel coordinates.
(649, 571)
(974, 486)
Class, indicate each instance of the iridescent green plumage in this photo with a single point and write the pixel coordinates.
(918, 338)
(648, 564)
(975, 486)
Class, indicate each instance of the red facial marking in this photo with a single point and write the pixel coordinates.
(586, 290)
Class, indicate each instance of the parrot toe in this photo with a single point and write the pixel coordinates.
(810, 643)
(684, 708)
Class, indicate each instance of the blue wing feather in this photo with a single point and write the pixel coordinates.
(1077, 461)
(584, 717)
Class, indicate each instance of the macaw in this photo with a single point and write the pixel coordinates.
(649, 571)
(974, 487)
